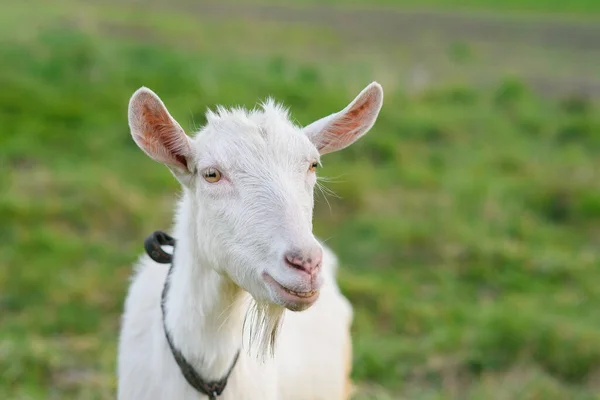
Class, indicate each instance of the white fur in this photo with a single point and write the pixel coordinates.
(229, 234)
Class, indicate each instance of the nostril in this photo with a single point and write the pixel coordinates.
(309, 264)
(294, 261)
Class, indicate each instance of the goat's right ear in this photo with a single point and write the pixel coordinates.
(158, 134)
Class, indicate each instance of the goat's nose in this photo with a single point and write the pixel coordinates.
(309, 261)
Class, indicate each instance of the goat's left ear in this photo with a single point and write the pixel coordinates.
(341, 129)
(157, 133)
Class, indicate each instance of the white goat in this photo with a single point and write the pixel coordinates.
(247, 270)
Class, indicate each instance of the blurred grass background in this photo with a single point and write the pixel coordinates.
(467, 222)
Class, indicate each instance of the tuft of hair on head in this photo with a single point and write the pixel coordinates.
(272, 107)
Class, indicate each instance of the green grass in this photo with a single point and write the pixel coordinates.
(548, 7)
(577, 7)
(467, 223)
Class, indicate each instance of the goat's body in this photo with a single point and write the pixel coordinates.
(245, 256)
(311, 360)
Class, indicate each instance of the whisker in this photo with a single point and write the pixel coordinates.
(330, 178)
(229, 307)
(327, 190)
(326, 240)
(324, 194)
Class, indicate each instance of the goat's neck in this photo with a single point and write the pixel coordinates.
(204, 309)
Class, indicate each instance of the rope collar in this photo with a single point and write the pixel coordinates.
(212, 389)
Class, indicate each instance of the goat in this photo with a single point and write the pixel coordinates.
(248, 276)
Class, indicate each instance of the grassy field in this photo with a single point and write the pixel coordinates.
(547, 7)
(467, 222)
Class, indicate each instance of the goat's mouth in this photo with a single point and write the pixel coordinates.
(292, 299)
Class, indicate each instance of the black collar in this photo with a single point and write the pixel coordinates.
(212, 389)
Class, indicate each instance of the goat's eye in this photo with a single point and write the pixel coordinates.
(211, 175)
(313, 166)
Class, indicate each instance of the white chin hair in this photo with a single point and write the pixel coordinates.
(261, 326)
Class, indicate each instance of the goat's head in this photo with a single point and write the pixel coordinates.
(251, 177)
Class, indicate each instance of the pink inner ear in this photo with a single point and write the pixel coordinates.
(341, 130)
(353, 119)
(159, 135)
(165, 132)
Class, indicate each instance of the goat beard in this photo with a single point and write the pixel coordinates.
(262, 323)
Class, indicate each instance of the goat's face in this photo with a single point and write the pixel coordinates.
(251, 176)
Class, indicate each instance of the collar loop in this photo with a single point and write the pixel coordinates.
(212, 389)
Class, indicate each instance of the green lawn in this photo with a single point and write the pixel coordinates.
(467, 222)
